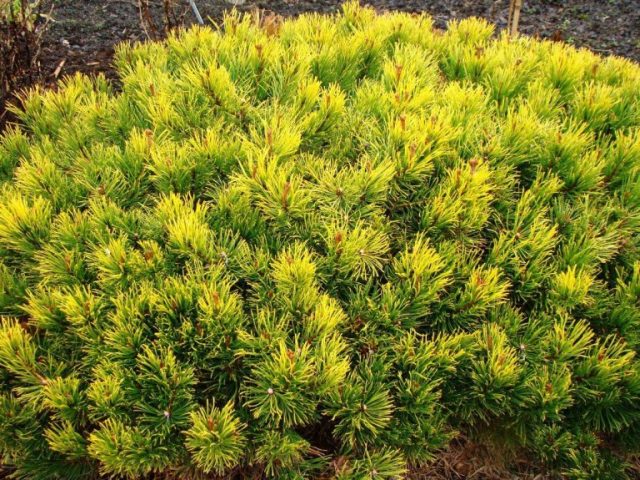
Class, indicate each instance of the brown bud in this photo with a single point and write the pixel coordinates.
(413, 148)
(403, 121)
(216, 298)
(285, 194)
(399, 69)
(149, 136)
(271, 24)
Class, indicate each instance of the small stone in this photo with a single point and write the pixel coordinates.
(270, 391)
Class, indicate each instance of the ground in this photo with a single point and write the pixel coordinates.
(83, 33)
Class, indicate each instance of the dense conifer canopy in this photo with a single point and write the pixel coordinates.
(325, 247)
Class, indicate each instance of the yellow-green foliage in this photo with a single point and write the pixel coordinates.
(325, 247)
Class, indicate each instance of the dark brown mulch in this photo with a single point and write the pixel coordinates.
(84, 32)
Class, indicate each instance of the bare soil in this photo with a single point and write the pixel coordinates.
(83, 34)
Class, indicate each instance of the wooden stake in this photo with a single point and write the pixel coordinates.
(514, 17)
(194, 7)
(512, 4)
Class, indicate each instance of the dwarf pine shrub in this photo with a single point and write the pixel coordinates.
(324, 248)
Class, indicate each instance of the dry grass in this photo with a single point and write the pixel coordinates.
(468, 460)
